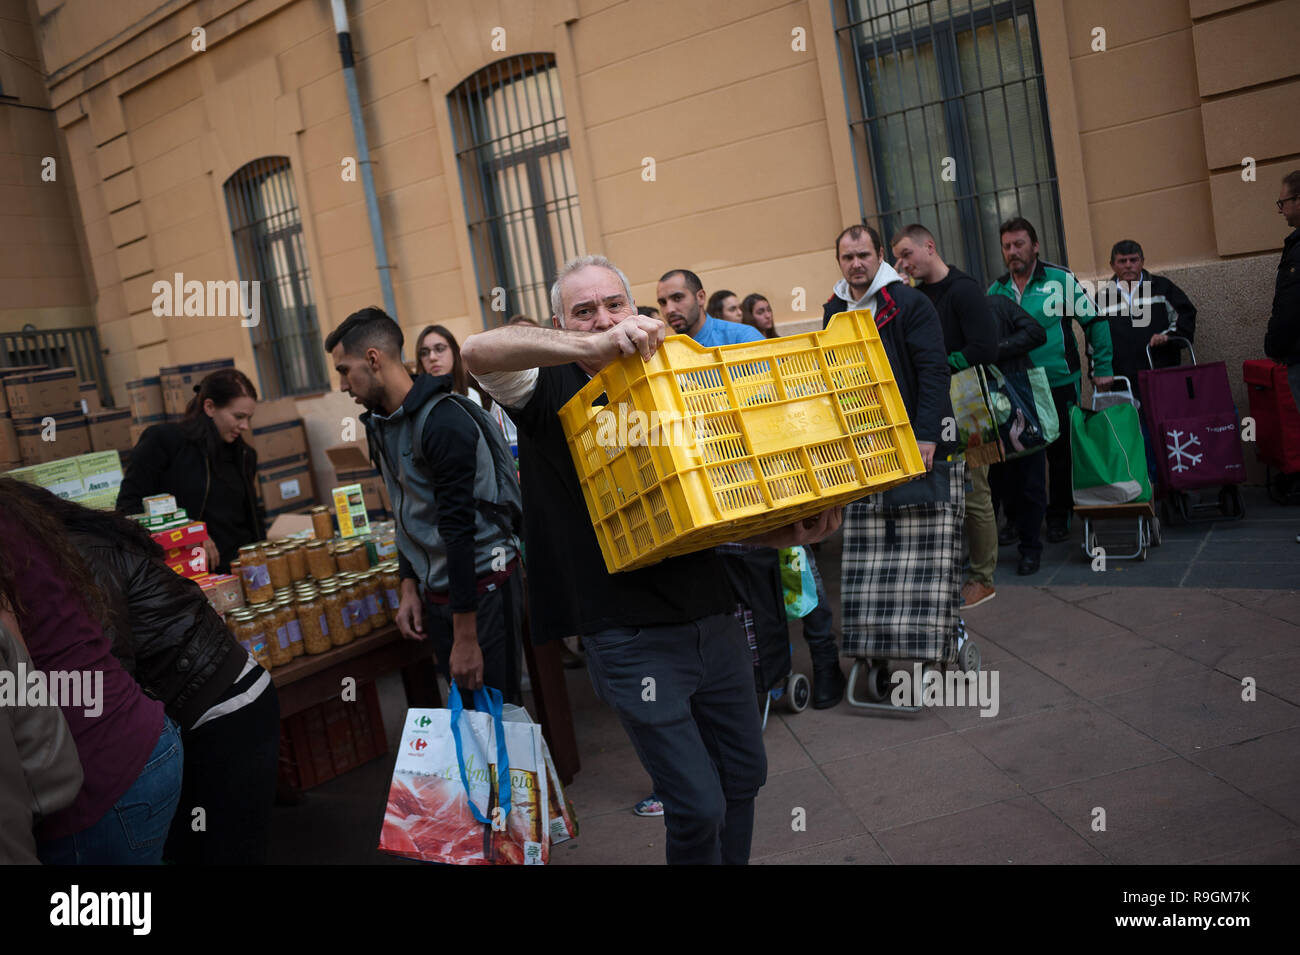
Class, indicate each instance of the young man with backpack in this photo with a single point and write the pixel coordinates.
(455, 494)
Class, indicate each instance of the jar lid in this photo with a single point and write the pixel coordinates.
(250, 548)
(316, 545)
(319, 509)
(268, 607)
(240, 614)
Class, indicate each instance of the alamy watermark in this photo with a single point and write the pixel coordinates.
(211, 299)
(946, 688)
(630, 428)
(74, 689)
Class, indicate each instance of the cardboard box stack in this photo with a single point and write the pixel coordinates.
(178, 381)
(88, 391)
(146, 401)
(284, 479)
(44, 411)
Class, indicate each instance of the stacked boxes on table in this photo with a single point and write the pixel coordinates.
(44, 411)
(284, 481)
(146, 399)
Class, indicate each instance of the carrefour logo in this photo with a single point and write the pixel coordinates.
(422, 722)
(418, 744)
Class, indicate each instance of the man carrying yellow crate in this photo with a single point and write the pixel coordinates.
(901, 565)
(663, 646)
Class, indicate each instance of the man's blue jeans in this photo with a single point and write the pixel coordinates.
(134, 830)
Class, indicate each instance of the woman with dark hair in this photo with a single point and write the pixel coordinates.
(204, 463)
(723, 304)
(439, 354)
(130, 750)
(757, 311)
(165, 633)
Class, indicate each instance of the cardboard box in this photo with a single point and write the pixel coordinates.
(290, 525)
(88, 392)
(9, 450)
(146, 400)
(224, 592)
(351, 466)
(182, 538)
(283, 441)
(101, 473)
(12, 373)
(178, 382)
(189, 566)
(68, 432)
(287, 487)
(110, 430)
(40, 393)
(58, 477)
(275, 412)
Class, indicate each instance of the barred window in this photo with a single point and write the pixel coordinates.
(517, 178)
(950, 119)
(269, 249)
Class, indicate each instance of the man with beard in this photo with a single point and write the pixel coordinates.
(682, 300)
(1053, 295)
(456, 499)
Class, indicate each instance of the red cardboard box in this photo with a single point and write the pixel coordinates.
(189, 566)
(224, 591)
(182, 538)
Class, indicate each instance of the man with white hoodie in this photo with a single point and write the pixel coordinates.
(909, 328)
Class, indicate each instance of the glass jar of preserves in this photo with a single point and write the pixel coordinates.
(256, 575)
(297, 561)
(343, 558)
(377, 600)
(250, 633)
(322, 524)
(336, 615)
(277, 564)
(391, 582)
(275, 626)
(358, 609)
(320, 563)
(313, 622)
(285, 605)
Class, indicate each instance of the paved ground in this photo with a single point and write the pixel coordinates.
(1120, 692)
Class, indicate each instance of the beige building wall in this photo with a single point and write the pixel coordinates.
(41, 269)
(740, 107)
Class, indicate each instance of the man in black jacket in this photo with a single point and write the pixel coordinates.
(1143, 310)
(1282, 340)
(439, 455)
(909, 329)
(970, 338)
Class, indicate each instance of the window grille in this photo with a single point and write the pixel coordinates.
(517, 178)
(269, 248)
(958, 80)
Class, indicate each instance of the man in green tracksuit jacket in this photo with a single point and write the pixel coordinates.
(1052, 295)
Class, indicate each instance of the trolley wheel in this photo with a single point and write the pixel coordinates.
(878, 684)
(1230, 502)
(1155, 530)
(798, 692)
(969, 657)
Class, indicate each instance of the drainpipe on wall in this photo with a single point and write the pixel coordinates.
(363, 158)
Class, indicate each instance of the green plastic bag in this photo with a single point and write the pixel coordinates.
(1023, 409)
(1110, 462)
(800, 590)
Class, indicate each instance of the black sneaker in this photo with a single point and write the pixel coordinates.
(1028, 565)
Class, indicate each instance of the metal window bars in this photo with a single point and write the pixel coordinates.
(518, 183)
(958, 80)
(267, 231)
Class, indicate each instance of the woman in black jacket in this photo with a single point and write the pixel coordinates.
(167, 636)
(204, 463)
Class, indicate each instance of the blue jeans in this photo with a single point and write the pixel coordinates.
(134, 830)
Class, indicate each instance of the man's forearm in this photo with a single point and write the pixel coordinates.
(520, 347)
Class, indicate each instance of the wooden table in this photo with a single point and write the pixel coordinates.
(310, 680)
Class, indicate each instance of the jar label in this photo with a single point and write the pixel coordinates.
(372, 605)
(324, 626)
(295, 631)
(282, 634)
(257, 576)
(357, 611)
(345, 611)
(246, 644)
(394, 601)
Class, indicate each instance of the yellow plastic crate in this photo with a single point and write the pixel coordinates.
(700, 446)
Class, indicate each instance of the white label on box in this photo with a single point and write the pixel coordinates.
(104, 481)
(289, 489)
(70, 489)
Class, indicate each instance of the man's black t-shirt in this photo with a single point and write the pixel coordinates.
(569, 590)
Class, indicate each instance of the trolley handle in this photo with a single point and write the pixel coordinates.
(1173, 339)
(1124, 394)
